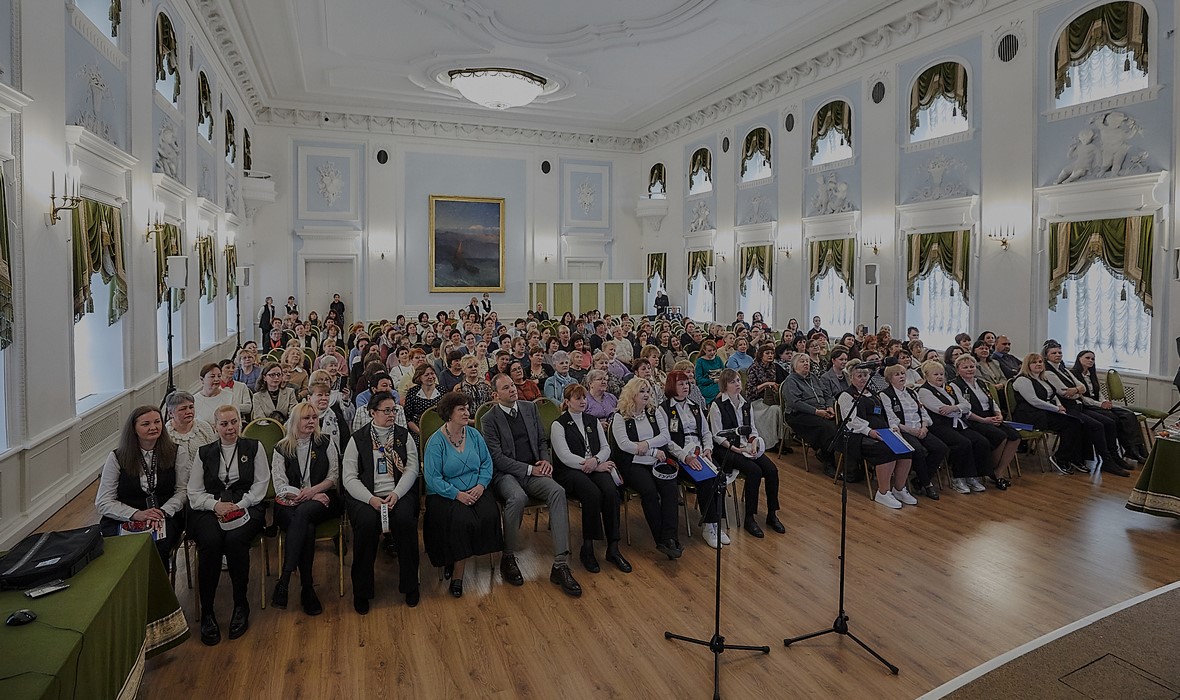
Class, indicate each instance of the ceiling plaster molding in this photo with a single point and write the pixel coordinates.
(217, 30)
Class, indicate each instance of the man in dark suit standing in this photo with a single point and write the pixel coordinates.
(266, 317)
(521, 468)
(541, 314)
(338, 307)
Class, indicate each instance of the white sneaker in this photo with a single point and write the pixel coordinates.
(960, 485)
(724, 535)
(904, 496)
(976, 485)
(709, 532)
(886, 499)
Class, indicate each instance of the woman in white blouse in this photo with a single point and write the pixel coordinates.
(641, 437)
(910, 419)
(740, 447)
(865, 423)
(305, 474)
(950, 411)
(1100, 423)
(144, 483)
(987, 420)
(690, 440)
(1037, 405)
(211, 394)
(582, 466)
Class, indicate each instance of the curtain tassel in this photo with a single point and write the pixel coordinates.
(952, 291)
(1064, 292)
(842, 289)
(1127, 64)
(1123, 293)
(917, 290)
(955, 111)
(1068, 81)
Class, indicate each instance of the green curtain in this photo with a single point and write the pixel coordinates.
(7, 309)
(947, 80)
(756, 258)
(657, 176)
(950, 250)
(698, 260)
(838, 255)
(834, 115)
(231, 144)
(702, 162)
(657, 264)
(167, 53)
(169, 243)
(1118, 26)
(757, 141)
(204, 102)
(98, 248)
(115, 15)
(1125, 246)
(247, 151)
(207, 268)
(231, 271)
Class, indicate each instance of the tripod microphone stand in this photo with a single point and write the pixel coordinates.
(716, 643)
(171, 378)
(840, 626)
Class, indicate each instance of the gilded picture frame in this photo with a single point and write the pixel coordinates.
(466, 244)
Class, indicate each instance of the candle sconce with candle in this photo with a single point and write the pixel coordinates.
(70, 199)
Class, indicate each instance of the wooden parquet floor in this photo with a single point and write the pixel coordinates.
(937, 589)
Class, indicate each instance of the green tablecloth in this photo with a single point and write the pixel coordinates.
(90, 640)
(1158, 489)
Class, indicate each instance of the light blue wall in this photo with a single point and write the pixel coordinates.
(601, 207)
(913, 176)
(767, 192)
(158, 117)
(79, 53)
(1154, 118)
(470, 176)
(849, 174)
(710, 199)
(336, 214)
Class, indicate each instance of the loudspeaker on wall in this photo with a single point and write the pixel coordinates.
(872, 276)
(243, 275)
(177, 276)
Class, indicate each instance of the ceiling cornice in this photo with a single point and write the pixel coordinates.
(935, 16)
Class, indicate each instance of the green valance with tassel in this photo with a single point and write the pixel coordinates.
(657, 264)
(1124, 246)
(947, 80)
(757, 142)
(97, 247)
(756, 259)
(698, 262)
(839, 255)
(1118, 26)
(834, 115)
(167, 53)
(950, 250)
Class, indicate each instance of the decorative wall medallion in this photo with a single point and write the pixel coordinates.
(700, 218)
(203, 189)
(168, 150)
(92, 118)
(231, 192)
(1104, 149)
(756, 215)
(831, 196)
(937, 185)
(586, 196)
(331, 182)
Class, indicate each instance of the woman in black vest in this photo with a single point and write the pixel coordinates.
(1037, 405)
(1100, 424)
(866, 420)
(584, 469)
(641, 436)
(143, 483)
(912, 421)
(1129, 434)
(987, 420)
(380, 471)
(305, 474)
(970, 451)
(689, 440)
(740, 447)
(225, 491)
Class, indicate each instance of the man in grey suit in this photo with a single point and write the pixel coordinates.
(521, 468)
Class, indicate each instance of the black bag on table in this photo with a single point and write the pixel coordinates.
(48, 556)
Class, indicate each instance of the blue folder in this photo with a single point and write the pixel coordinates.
(707, 471)
(895, 442)
(1019, 426)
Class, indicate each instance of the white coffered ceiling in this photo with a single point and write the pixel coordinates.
(619, 65)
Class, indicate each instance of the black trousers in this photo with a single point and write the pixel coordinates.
(1130, 436)
(299, 522)
(660, 499)
(707, 501)
(754, 470)
(970, 452)
(599, 497)
(366, 534)
(212, 544)
(1073, 445)
(929, 453)
(815, 431)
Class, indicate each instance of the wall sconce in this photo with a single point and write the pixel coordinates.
(70, 199)
(785, 249)
(1003, 234)
(720, 255)
(155, 220)
(875, 245)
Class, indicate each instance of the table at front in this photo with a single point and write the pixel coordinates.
(1158, 490)
(91, 640)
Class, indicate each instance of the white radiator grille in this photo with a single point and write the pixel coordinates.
(99, 431)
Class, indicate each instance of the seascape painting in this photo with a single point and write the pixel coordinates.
(466, 244)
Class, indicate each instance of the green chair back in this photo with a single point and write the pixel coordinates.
(480, 413)
(692, 356)
(1114, 386)
(268, 431)
(429, 424)
(548, 412)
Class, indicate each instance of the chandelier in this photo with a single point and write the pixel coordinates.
(497, 88)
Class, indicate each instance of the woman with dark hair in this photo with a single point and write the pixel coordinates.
(740, 448)
(1129, 434)
(689, 440)
(762, 391)
(988, 338)
(567, 319)
(582, 466)
(948, 358)
(986, 419)
(1100, 424)
(988, 369)
(211, 394)
(462, 519)
(305, 474)
(422, 395)
(271, 398)
(144, 482)
(792, 332)
(783, 352)
(526, 389)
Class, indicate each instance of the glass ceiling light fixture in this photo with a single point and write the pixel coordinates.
(497, 88)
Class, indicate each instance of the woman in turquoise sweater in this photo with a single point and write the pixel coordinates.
(708, 369)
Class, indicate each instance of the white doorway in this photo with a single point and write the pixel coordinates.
(324, 278)
(584, 270)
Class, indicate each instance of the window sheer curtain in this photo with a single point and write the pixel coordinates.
(831, 133)
(755, 290)
(1094, 316)
(938, 309)
(1118, 28)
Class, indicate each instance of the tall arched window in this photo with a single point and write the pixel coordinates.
(247, 151)
(938, 102)
(204, 107)
(832, 268)
(167, 60)
(831, 133)
(231, 143)
(657, 182)
(1101, 53)
(756, 155)
(700, 172)
(938, 277)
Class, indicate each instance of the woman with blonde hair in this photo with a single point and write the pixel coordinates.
(641, 436)
(293, 360)
(1037, 404)
(865, 423)
(970, 452)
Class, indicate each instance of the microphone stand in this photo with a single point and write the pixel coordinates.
(716, 643)
(840, 626)
(238, 314)
(171, 379)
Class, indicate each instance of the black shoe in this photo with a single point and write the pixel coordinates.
(239, 622)
(999, 482)
(279, 597)
(668, 549)
(508, 569)
(1116, 470)
(389, 546)
(360, 604)
(931, 491)
(775, 524)
(413, 597)
(210, 631)
(311, 602)
(829, 471)
(751, 526)
(588, 560)
(679, 547)
(1060, 467)
(448, 571)
(562, 576)
(615, 557)
(457, 587)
